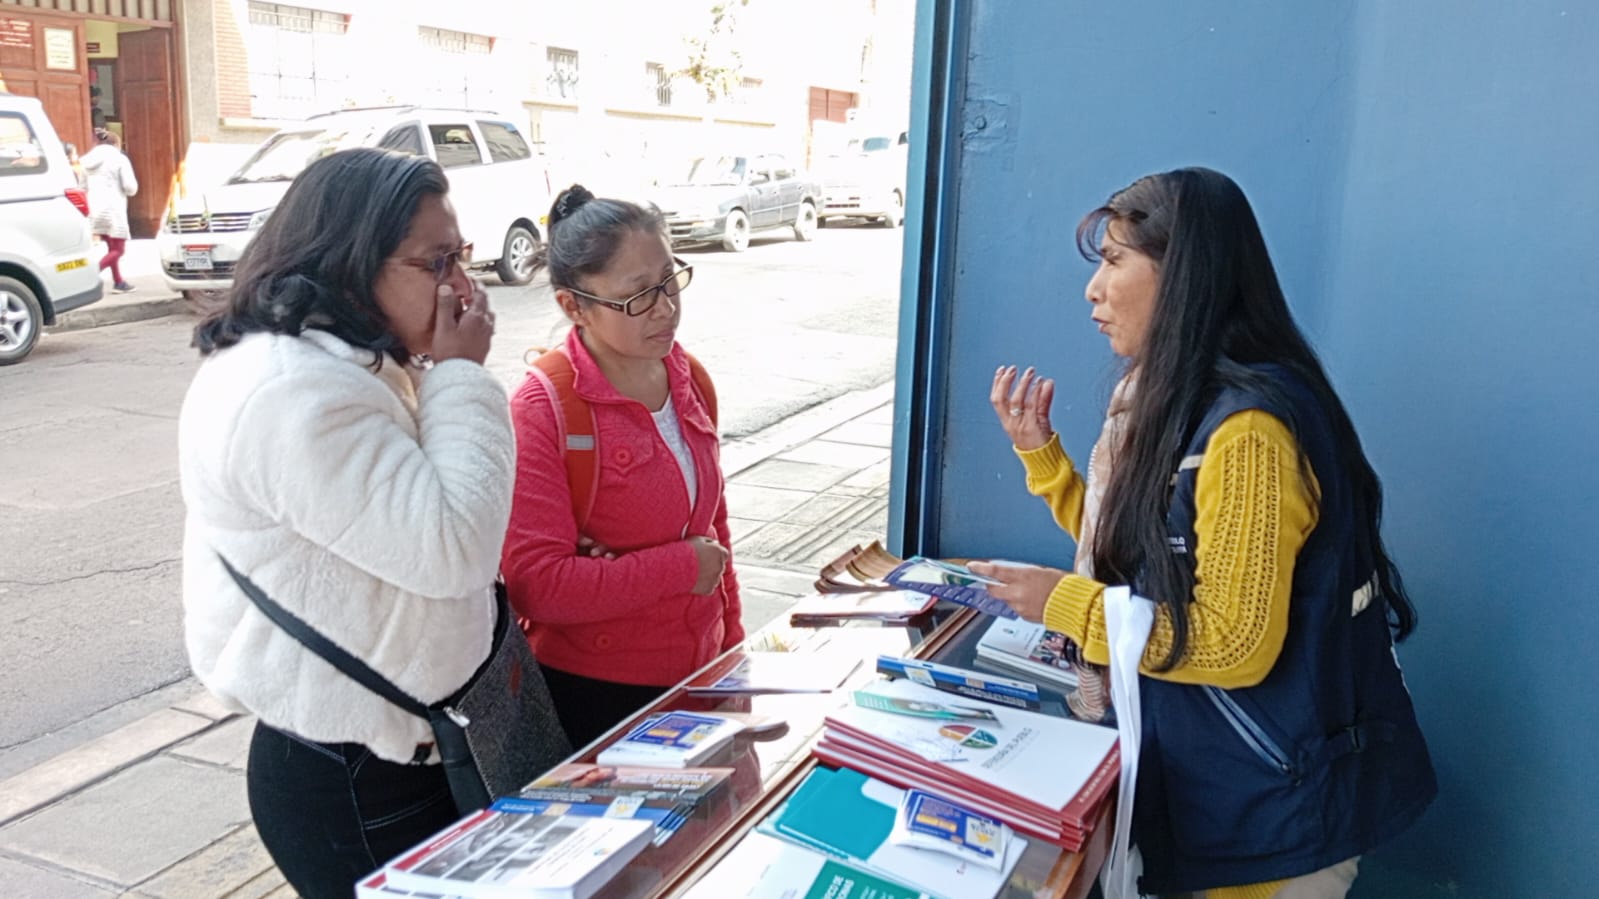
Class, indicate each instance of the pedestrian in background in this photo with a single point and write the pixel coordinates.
(111, 183)
(344, 448)
(642, 593)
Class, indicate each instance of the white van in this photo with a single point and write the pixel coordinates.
(866, 179)
(46, 265)
(500, 190)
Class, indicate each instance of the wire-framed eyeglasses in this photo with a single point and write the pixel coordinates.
(645, 300)
(442, 265)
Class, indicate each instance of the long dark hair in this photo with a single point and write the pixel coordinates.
(585, 232)
(314, 261)
(1218, 309)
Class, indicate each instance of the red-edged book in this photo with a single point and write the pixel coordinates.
(1044, 775)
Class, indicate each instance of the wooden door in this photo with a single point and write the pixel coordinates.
(145, 82)
(31, 69)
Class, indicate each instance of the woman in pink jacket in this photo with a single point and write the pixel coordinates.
(645, 593)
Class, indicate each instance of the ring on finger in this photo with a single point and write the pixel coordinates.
(1016, 410)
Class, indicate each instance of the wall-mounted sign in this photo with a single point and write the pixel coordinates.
(16, 33)
(91, 47)
(61, 49)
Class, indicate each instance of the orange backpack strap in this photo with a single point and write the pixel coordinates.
(576, 421)
(702, 380)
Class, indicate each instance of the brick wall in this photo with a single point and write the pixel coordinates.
(233, 75)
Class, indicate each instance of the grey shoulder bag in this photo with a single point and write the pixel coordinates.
(495, 734)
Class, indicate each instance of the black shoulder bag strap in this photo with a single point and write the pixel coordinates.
(330, 652)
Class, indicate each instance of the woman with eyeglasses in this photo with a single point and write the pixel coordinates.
(1229, 486)
(641, 592)
(344, 448)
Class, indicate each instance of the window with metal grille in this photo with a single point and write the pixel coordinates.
(460, 74)
(560, 76)
(658, 79)
(297, 60)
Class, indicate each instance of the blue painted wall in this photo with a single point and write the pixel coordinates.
(1427, 176)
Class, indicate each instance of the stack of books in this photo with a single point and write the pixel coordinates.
(862, 569)
(1044, 776)
(666, 796)
(498, 854)
(672, 740)
(1027, 650)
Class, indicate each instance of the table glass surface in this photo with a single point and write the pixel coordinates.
(769, 765)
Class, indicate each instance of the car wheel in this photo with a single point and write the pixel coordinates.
(516, 263)
(805, 225)
(20, 319)
(896, 213)
(736, 234)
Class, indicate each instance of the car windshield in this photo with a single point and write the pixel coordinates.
(715, 170)
(287, 153)
(875, 144)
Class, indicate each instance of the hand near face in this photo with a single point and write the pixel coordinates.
(1025, 588)
(1022, 405)
(462, 331)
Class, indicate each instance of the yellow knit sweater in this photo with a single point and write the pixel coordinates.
(1253, 515)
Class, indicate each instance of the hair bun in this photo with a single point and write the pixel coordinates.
(570, 201)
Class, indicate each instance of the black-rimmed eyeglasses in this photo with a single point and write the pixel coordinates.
(645, 300)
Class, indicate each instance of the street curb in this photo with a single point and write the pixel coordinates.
(780, 437)
(117, 314)
(100, 758)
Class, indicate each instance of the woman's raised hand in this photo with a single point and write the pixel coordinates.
(462, 330)
(1022, 405)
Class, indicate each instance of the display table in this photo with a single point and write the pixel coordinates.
(769, 766)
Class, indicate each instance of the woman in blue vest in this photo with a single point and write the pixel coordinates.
(1228, 486)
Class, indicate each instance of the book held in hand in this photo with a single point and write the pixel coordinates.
(946, 580)
(511, 855)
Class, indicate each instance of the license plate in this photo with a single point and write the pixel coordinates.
(197, 259)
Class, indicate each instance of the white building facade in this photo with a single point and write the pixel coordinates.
(601, 83)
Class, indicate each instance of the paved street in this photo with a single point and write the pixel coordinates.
(91, 519)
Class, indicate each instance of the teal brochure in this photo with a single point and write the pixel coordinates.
(831, 812)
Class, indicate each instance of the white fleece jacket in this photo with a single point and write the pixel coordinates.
(371, 504)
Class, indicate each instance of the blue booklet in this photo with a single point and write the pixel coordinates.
(672, 739)
(946, 580)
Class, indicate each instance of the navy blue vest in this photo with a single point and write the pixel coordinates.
(1321, 761)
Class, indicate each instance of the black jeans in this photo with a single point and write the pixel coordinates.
(589, 707)
(331, 813)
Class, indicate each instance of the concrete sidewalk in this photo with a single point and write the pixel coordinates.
(156, 809)
(150, 298)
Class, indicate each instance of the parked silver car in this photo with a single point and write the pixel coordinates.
(725, 199)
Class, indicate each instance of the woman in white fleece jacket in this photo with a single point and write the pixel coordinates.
(361, 489)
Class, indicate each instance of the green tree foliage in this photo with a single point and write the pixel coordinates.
(714, 62)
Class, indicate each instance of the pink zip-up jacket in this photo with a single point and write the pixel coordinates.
(632, 619)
